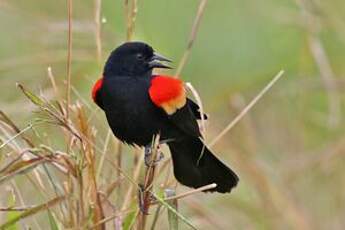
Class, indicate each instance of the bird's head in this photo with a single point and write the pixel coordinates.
(133, 59)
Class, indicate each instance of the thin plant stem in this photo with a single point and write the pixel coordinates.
(192, 37)
(131, 10)
(101, 162)
(322, 62)
(147, 188)
(189, 193)
(69, 67)
(69, 57)
(246, 109)
(201, 107)
(98, 30)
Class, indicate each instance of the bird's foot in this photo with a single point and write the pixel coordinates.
(148, 156)
(148, 153)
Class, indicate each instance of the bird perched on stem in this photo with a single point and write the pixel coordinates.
(139, 105)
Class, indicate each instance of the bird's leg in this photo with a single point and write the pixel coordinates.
(148, 153)
(141, 199)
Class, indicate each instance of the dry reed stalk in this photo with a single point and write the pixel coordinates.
(57, 95)
(309, 160)
(118, 155)
(272, 194)
(52, 80)
(188, 193)
(111, 187)
(246, 109)
(89, 154)
(111, 217)
(69, 69)
(129, 194)
(16, 209)
(98, 30)
(192, 37)
(105, 148)
(148, 183)
(69, 56)
(201, 107)
(319, 55)
(68, 189)
(9, 122)
(131, 10)
(27, 161)
(27, 128)
(238, 102)
(23, 162)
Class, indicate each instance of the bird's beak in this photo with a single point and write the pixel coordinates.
(156, 60)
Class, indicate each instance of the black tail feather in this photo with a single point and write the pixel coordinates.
(193, 173)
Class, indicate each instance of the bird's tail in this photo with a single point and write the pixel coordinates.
(193, 172)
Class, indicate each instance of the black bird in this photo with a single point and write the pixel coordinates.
(139, 105)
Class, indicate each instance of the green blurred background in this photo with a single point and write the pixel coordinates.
(288, 150)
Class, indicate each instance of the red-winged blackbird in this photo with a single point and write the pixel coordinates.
(139, 105)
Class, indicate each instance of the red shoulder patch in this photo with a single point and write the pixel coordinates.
(96, 87)
(167, 93)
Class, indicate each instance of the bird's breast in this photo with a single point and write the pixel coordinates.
(130, 113)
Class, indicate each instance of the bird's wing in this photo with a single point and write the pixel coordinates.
(96, 92)
(169, 94)
(196, 110)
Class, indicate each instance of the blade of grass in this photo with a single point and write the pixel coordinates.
(156, 216)
(34, 99)
(172, 218)
(12, 214)
(129, 220)
(23, 168)
(52, 221)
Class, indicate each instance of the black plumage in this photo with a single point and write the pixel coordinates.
(135, 119)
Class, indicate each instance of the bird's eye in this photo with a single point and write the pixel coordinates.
(140, 56)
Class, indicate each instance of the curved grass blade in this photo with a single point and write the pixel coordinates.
(174, 211)
(172, 217)
(32, 211)
(52, 221)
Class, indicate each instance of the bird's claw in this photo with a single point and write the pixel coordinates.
(148, 156)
